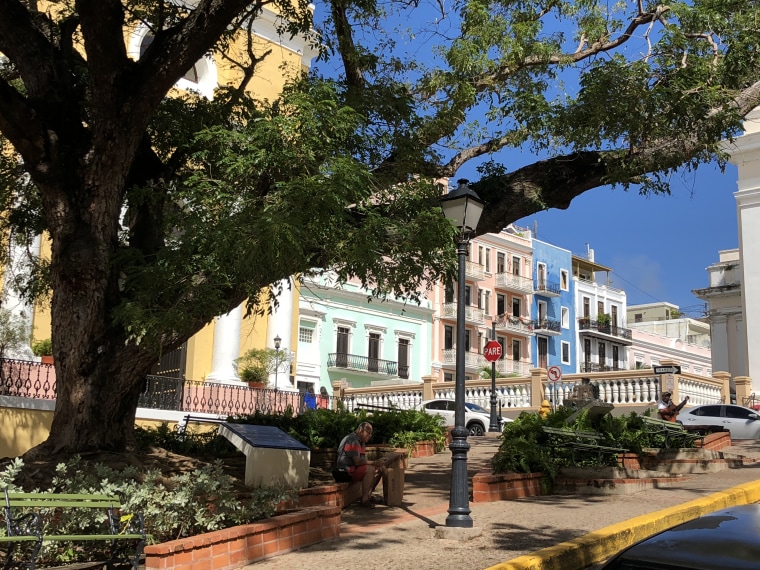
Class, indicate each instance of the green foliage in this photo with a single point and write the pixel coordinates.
(13, 332)
(174, 507)
(326, 428)
(194, 443)
(258, 363)
(42, 347)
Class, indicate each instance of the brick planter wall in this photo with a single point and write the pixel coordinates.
(423, 449)
(487, 487)
(241, 545)
(716, 441)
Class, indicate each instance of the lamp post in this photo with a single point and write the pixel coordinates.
(463, 208)
(277, 341)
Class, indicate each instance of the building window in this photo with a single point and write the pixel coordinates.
(481, 255)
(467, 295)
(564, 279)
(448, 377)
(501, 304)
(448, 337)
(501, 263)
(541, 276)
(449, 295)
(373, 352)
(613, 315)
(305, 335)
(467, 341)
(516, 308)
(342, 347)
(565, 312)
(542, 311)
(488, 260)
(565, 352)
(602, 354)
(586, 307)
(515, 265)
(599, 308)
(487, 302)
(403, 358)
(615, 357)
(638, 318)
(481, 342)
(516, 349)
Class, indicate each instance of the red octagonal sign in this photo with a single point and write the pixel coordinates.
(492, 351)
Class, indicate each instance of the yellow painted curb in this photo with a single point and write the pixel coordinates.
(599, 545)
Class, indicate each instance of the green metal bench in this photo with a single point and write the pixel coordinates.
(580, 444)
(672, 432)
(27, 514)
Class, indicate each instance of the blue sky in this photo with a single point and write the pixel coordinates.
(659, 246)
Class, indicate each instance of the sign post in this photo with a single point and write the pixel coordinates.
(492, 353)
(554, 374)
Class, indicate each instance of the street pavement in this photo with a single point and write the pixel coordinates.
(562, 532)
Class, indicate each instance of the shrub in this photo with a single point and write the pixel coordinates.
(184, 505)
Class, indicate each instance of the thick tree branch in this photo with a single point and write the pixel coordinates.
(346, 46)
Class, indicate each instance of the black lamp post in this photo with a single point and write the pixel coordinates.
(494, 425)
(463, 208)
(277, 341)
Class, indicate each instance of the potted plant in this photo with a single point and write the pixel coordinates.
(256, 365)
(603, 322)
(44, 349)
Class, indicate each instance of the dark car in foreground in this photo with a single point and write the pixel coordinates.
(728, 539)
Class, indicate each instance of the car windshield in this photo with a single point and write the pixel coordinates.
(475, 408)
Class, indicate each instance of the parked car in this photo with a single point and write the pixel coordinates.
(476, 419)
(725, 539)
(743, 423)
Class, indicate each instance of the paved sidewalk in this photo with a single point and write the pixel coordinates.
(401, 538)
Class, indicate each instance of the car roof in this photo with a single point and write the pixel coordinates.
(728, 538)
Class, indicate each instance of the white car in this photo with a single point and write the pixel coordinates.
(743, 423)
(476, 419)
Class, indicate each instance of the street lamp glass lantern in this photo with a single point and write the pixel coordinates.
(463, 207)
(277, 341)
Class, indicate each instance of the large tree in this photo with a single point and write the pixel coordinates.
(164, 211)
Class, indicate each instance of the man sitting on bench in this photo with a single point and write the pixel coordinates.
(667, 409)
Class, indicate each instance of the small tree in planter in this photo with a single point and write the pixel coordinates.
(13, 335)
(256, 365)
(44, 349)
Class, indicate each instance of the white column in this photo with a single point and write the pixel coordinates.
(745, 153)
(226, 349)
(281, 324)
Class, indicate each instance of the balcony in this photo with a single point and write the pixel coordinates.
(549, 327)
(516, 325)
(472, 315)
(546, 289)
(473, 361)
(362, 364)
(595, 367)
(513, 367)
(606, 330)
(474, 271)
(514, 283)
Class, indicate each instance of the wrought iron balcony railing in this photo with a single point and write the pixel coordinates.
(547, 289)
(547, 325)
(586, 324)
(362, 363)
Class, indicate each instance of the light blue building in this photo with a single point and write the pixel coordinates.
(346, 334)
(553, 309)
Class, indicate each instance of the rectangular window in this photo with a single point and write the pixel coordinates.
(541, 276)
(502, 341)
(501, 304)
(515, 266)
(481, 255)
(516, 307)
(305, 335)
(448, 337)
(373, 352)
(487, 302)
(501, 262)
(403, 358)
(564, 279)
(467, 295)
(565, 352)
(586, 307)
(613, 315)
(615, 357)
(449, 295)
(599, 308)
(448, 376)
(467, 341)
(543, 351)
(516, 349)
(341, 347)
(481, 342)
(488, 260)
(602, 355)
(541, 310)
(587, 352)
(480, 298)
(638, 318)
(565, 317)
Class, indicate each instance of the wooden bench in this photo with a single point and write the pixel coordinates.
(30, 518)
(672, 432)
(580, 443)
